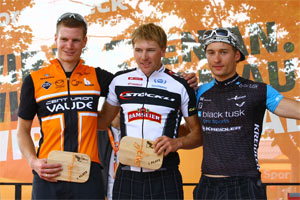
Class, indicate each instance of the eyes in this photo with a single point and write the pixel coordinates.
(221, 52)
(141, 50)
(73, 40)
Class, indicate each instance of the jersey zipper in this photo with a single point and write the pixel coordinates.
(143, 110)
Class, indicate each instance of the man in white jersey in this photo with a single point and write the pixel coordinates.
(152, 100)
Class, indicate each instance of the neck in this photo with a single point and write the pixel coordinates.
(67, 66)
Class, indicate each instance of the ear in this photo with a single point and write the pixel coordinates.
(85, 41)
(237, 55)
(163, 52)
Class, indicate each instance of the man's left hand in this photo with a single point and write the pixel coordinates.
(191, 79)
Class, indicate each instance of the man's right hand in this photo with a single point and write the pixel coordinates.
(46, 171)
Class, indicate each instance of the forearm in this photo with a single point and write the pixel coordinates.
(191, 133)
(27, 148)
(192, 140)
(183, 130)
(25, 142)
(106, 115)
(288, 108)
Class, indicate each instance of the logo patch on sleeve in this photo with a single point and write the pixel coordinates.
(46, 85)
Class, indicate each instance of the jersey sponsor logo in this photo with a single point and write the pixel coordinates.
(253, 86)
(215, 121)
(159, 80)
(159, 86)
(61, 104)
(257, 132)
(60, 83)
(145, 114)
(204, 99)
(192, 109)
(135, 84)
(226, 114)
(200, 105)
(75, 82)
(175, 74)
(46, 76)
(87, 82)
(221, 129)
(129, 95)
(82, 73)
(240, 104)
(46, 85)
(135, 78)
(237, 98)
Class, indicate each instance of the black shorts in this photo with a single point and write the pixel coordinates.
(164, 184)
(92, 189)
(238, 187)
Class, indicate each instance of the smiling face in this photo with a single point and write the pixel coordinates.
(148, 55)
(222, 59)
(70, 42)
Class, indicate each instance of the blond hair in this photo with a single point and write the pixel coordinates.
(150, 32)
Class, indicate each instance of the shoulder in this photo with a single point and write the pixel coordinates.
(175, 77)
(205, 87)
(123, 72)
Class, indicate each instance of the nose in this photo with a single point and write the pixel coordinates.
(144, 55)
(69, 44)
(217, 58)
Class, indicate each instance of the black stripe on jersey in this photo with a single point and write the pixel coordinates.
(171, 125)
(153, 96)
(191, 93)
(104, 78)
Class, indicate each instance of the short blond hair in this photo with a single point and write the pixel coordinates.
(150, 32)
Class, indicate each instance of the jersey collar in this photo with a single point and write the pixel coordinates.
(228, 81)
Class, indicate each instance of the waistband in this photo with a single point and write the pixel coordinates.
(232, 180)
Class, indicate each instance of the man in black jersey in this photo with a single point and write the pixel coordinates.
(231, 111)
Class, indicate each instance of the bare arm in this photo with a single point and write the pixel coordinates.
(184, 129)
(288, 108)
(106, 115)
(192, 140)
(44, 170)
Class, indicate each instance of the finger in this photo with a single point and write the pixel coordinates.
(48, 177)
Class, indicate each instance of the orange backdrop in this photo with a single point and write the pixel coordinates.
(269, 31)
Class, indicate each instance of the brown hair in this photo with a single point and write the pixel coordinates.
(72, 20)
(151, 32)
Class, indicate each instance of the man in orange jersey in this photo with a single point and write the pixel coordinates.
(64, 95)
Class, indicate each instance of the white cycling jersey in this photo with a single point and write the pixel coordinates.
(152, 106)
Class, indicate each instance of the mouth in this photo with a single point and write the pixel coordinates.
(218, 67)
(69, 53)
(146, 65)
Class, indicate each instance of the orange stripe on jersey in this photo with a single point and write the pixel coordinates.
(87, 142)
(54, 127)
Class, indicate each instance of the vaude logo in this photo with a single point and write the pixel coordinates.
(129, 95)
(46, 85)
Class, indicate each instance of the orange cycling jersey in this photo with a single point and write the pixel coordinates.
(66, 107)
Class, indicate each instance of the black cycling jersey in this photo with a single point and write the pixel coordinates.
(231, 114)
